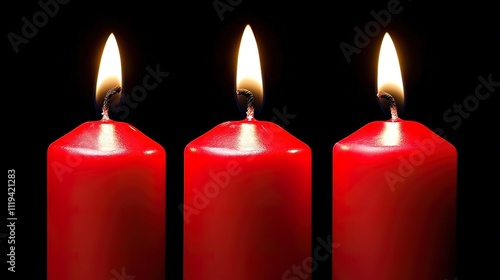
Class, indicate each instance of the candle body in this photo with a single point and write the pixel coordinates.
(247, 203)
(394, 204)
(105, 204)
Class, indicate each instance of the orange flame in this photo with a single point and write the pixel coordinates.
(110, 72)
(389, 73)
(249, 75)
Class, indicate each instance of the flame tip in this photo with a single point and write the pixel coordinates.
(109, 74)
(248, 66)
(390, 80)
(248, 72)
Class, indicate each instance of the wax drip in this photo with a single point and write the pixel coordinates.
(250, 102)
(107, 101)
(393, 106)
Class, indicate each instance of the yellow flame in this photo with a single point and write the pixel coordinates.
(110, 69)
(249, 75)
(389, 72)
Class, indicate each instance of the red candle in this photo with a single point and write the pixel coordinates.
(247, 196)
(394, 196)
(106, 198)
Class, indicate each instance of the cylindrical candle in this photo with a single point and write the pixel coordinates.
(394, 202)
(106, 193)
(247, 202)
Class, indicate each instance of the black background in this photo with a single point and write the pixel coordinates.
(49, 86)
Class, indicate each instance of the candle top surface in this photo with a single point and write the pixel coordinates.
(107, 137)
(243, 137)
(399, 134)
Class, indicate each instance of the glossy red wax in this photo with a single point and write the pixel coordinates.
(105, 204)
(247, 203)
(394, 204)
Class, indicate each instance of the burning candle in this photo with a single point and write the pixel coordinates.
(106, 196)
(247, 193)
(394, 194)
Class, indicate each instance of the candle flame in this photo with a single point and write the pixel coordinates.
(110, 72)
(249, 75)
(389, 73)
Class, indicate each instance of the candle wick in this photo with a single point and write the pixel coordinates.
(107, 101)
(393, 106)
(250, 102)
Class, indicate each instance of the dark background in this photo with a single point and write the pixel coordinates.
(49, 86)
